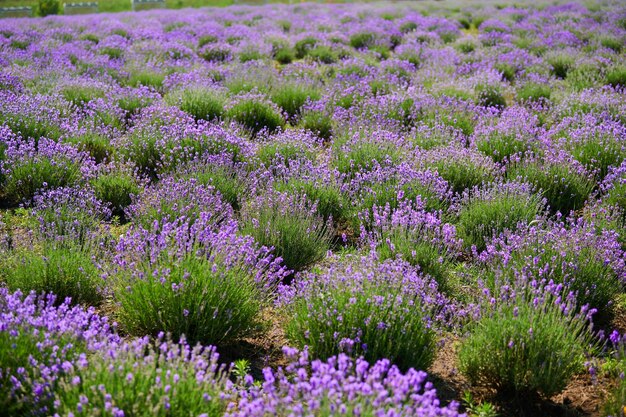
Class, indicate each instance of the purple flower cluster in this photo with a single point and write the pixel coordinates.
(173, 240)
(40, 344)
(407, 229)
(338, 386)
(172, 201)
(590, 264)
(173, 378)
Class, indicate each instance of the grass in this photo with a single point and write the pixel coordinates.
(29, 176)
(291, 98)
(114, 6)
(319, 123)
(430, 258)
(62, 271)
(201, 103)
(363, 156)
(565, 189)
(97, 146)
(111, 6)
(256, 116)
(482, 218)
(116, 189)
(329, 199)
(225, 181)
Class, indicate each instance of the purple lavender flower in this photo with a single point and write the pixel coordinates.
(341, 384)
(43, 341)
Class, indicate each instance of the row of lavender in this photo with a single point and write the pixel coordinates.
(369, 181)
(69, 361)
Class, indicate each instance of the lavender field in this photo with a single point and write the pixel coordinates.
(383, 209)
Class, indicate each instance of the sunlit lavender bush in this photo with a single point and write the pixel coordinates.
(146, 377)
(590, 264)
(532, 339)
(361, 307)
(193, 280)
(30, 167)
(486, 213)
(40, 344)
(418, 236)
(172, 201)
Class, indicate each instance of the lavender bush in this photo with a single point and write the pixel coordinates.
(382, 311)
(29, 167)
(40, 344)
(418, 236)
(289, 225)
(487, 213)
(172, 201)
(528, 342)
(142, 378)
(208, 285)
(590, 264)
